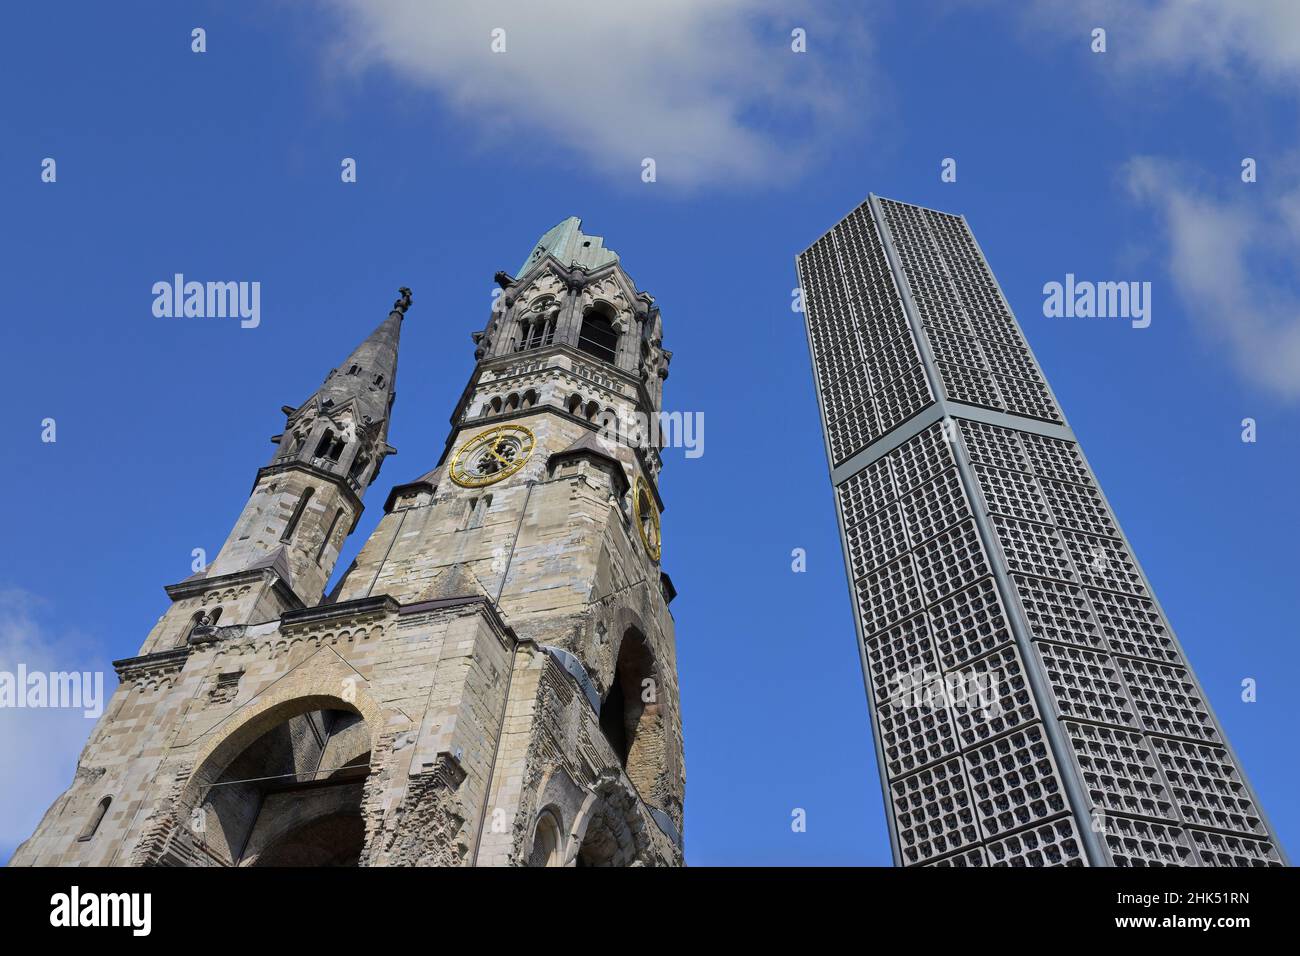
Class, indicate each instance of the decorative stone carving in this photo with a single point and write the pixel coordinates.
(404, 301)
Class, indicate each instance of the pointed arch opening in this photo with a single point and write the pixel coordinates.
(630, 714)
(598, 337)
(537, 326)
(548, 841)
(475, 511)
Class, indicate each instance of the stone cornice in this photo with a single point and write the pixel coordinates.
(418, 484)
(358, 609)
(192, 587)
(596, 455)
(489, 606)
(133, 668)
(557, 348)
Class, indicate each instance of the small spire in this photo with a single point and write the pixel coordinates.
(368, 375)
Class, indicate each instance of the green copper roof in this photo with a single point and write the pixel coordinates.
(567, 243)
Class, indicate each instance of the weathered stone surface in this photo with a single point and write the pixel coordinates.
(421, 714)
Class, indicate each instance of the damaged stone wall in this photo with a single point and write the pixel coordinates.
(442, 637)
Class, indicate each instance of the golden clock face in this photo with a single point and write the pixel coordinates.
(646, 513)
(492, 455)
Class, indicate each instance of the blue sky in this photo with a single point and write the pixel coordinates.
(225, 165)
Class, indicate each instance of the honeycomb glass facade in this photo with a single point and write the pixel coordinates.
(1030, 703)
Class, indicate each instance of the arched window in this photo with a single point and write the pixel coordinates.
(537, 327)
(575, 404)
(297, 514)
(324, 542)
(591, 411)
(598, 336)
(201, 618)
(546, 841)
(96, 818)
(478, 508)
(530, 398)
(329, 447)
(512, 402)
(537, 331)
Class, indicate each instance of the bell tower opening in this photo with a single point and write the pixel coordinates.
(598, 336)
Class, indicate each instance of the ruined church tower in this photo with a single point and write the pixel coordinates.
(492, 682)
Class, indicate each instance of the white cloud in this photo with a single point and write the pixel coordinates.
(1229, 249)
(38, 747)
(1218, 37)
(711, 90)
(1230, 261)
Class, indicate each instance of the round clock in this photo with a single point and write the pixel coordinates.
(492, 455)
(646, 513)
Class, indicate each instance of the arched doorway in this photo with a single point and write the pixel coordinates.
(291, 796)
